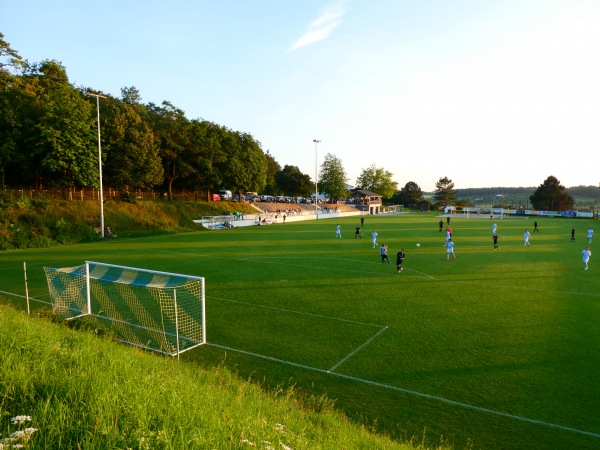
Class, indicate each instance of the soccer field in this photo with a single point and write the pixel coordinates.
(498, 348)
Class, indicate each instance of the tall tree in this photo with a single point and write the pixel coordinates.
(12, 106)
(16, 122)
(171, 127)
(444, 192)
(410, 195)
(64, 139)
(551, 196)
(131, 95)
(272, 168)
(206, 156)
(332, 178)
(10, 61)
(293, 182)
(131, 149)
(377, 180)
(247, 168)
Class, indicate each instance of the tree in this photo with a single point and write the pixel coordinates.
(246, 164)
(444, 192)
(13, 99)
(272, 168)
(410, 195)
(333, 178)
(206, 156)
(171, 128)
(377, 180)
(131, 149)
(551, 196)
(16, 106)
(293, 182)
(10, 60)
(64, 139)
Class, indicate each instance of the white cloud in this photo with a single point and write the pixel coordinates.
(322, 26)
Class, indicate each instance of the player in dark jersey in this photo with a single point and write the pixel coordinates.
(399, 258)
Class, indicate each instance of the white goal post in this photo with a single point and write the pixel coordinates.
(485, 213)
(159, 311)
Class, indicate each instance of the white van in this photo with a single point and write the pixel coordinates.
(225, 195)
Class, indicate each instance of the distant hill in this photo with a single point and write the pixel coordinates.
(585, 196)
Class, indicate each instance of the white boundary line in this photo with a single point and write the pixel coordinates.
(23, 296)
(415, 393)
(351, 354)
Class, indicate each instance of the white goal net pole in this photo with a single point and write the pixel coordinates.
(88, 290)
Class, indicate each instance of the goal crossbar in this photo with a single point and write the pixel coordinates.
(160, 311)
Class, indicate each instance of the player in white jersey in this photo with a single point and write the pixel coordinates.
(586, 253)
(450, 249)
(526, 237)
(383, 250)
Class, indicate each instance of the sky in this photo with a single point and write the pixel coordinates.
(486, 93)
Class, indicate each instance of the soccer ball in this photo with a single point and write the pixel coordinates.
(418, 245)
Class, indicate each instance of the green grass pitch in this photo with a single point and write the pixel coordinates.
(495, 349)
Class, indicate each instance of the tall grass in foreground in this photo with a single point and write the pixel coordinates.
(86, 394)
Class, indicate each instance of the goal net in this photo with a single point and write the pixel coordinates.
(159, 311)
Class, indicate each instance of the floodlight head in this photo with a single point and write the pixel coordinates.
(316, 141)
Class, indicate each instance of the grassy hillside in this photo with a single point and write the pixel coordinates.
(79, 393)
(38, 223)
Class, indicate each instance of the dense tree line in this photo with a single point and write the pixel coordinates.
(49, 138)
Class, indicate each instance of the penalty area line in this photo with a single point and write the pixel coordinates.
(415, 393)
(351, 354)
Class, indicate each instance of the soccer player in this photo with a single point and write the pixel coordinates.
(572, 235)
(384, 256)
(399, 258)
(495, 238)
(338, 231)
(441, 225)
(494, 228)
(586, 253)
(590, 235)
(535, 228)
(374, 238)
(450, 249)
(357, 233)
(526, 237)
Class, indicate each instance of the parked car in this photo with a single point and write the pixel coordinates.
(225, 194)
(216, 197)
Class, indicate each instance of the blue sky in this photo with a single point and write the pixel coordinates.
(487, 93)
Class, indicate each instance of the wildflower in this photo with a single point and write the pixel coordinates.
(20, 420)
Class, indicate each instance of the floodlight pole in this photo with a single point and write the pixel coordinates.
(316, 141)
(100, 164)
